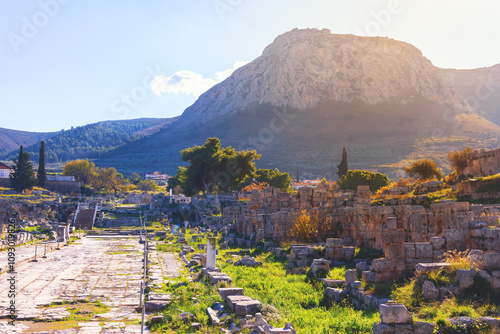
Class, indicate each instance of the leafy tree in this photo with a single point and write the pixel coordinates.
(424, 169)
(458, 160)
(323, 181)
(355, 178)
(273, 177)
(342, 167)
(83, 170)
(23, 176)
(148, 185)
(135, 178)
(41, 174)
(212, 168)
(108, 179)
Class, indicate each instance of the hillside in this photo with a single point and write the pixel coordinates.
(311, 93)
(10, 140)
(480, 88)
(91, 140)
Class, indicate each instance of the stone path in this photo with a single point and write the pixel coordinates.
(109, 270)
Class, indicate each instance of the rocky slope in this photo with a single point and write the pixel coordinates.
(480, 89)
(303, 68)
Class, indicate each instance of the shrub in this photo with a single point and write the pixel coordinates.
(424, 169)
(458, 160)
(311, 226)
(459, 260)
(355, 178)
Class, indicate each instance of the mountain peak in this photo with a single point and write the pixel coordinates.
(305, 67)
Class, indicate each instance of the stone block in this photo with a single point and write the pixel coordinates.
(232, 300)
(381, 265)
(349, 252)
(380, 328)
(333, 294)
(454, 236)
(393, 236)
(225, 292)
(438, 242)
(423, 250)
(475, 256)
(409, 249)
(465, 278)
(361, 266)
(395, 251)
(495, 279)
(350, 276)
(394, 313)
(437, 254)
(423, 328)
(491, 261)
(368, 276)
(248, 307)
(423, 268)
(430, 291)
(392, 222)
(485, 276)
(334, 242)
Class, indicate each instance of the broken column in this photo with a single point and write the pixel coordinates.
(211, 252)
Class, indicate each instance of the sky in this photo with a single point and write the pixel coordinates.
(67, 63)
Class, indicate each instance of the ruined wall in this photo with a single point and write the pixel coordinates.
(483, 163)
(269, 214)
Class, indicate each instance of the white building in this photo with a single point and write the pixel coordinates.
(179, 199)
(5, 171)
(60, 178)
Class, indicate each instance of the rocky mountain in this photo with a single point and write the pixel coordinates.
(480, 89)
(304, 68)
(311, 93)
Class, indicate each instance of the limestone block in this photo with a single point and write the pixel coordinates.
(491, 261)
(349, 252)
(394, 313)
(395, 251)
(368, 276)
(248, 307)
(454, 236)
(334, 242)
(350, 276)
(475, 256)
(495, 282)
(485, 276)
(333, 294)
(423, 268)
(380, 328)
(225, 292)
(393, 236)
(361, 266)
(430, 291)
(437, 242)
(423, 328)
(232, 300)
(465, 278)
(409, 249)
(423, 250)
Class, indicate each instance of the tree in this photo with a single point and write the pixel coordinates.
(311, 226)
(41, 174)
(424, 169)
(212, 168)
(135, 178)
(82, 170)
(108, 179)
(148, 185)
(298, 177)
(355, 178)
(458, 160)
(23, 176)
(342, 167)
(273, 177)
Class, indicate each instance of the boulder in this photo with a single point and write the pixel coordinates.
(394, 313)
(430, 291)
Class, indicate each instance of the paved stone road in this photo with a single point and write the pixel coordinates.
(109, 270)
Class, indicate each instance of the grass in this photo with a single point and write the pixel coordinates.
(337, 273)
(292, 299)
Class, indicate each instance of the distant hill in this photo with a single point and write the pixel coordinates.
(312, 92)
(481, 89)
(10, 140)
(89, 141)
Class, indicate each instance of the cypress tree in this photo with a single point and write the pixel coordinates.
(23, 176)
(298, 178)
(41, 174)
(342, 167)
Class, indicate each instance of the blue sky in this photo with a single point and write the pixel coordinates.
(66, 63)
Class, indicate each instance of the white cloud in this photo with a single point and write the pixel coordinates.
(189, 82)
